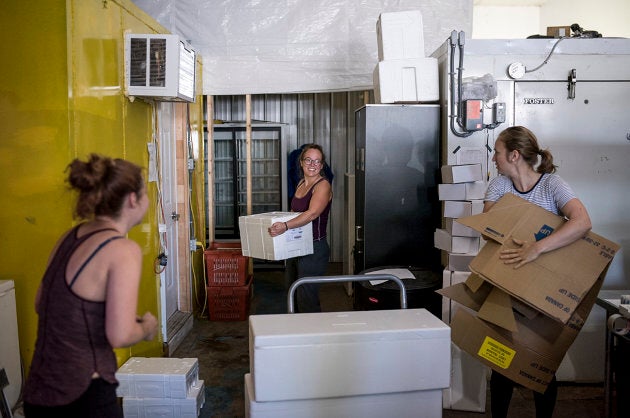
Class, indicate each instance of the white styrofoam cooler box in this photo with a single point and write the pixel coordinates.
(157, 377)
(412, 80)
(459, 230)
(469, 377)
(469, 380)
(443, 240)
(462, 191)
(332, 354)
(257, 243)
(188, 407)
(461, 173)
(461, 209)
(399, 404)
(457, 262)
(400, 35)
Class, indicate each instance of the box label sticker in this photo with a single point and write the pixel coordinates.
(294, 234)
(496, 353)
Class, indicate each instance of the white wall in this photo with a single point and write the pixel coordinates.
(611, 18)
(608, 17)
(505, 22)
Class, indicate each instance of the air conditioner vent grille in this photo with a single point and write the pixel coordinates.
(160, 66)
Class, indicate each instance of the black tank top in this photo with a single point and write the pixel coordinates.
(71, 342)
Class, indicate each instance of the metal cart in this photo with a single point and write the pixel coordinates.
(349, 278)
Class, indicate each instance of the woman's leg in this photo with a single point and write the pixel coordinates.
(312, 265)
(545, 403)
(501, 389)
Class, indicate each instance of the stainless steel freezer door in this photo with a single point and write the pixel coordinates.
(397, 210)
(589, 138)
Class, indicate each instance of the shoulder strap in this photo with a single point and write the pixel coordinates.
(99, 248)
(310, 191)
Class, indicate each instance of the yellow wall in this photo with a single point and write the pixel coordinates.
(61, 97)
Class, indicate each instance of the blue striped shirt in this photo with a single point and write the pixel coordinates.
(551, 192)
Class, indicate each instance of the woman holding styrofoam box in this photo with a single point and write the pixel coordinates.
(516, 153)
(313, 198)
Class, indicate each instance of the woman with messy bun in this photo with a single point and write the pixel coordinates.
(87, 299)
(528, 171)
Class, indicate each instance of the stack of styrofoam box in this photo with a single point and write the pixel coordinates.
(403, 74)
(160, 387)
(462, 191)
(367, 364)
(467, 391)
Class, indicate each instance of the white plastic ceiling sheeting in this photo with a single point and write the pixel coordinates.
(291, 46)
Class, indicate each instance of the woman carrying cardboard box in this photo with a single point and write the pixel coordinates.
(516, 156)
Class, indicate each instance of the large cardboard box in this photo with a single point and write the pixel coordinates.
(398, 404)
(532, 351)
(521, 322)
(557, 281)
(257, 243)
(334, 354)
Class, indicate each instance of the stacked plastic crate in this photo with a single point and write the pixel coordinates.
(228, 284)
(403, 74)
(160, 387)
(462, 191)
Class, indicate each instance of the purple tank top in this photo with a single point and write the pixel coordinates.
(300, 204)
(71, 342)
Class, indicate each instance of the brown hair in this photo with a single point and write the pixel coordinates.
(321, 151)
(103, 183)
(521, 139)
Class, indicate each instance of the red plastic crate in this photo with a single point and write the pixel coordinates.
(225, 264)
(229, 303)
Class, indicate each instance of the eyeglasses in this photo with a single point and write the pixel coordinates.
(309, 161)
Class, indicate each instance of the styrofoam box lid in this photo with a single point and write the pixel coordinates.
(341, 327)
(158, 366)
(276, 216)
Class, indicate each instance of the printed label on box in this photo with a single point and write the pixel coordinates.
(294, 234)
(496, 353)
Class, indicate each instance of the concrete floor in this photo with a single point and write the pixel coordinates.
(223, 352)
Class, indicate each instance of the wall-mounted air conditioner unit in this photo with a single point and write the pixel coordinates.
(160, 67)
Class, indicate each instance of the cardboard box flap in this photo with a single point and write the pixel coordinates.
(497, 309)
(461, 294)
(500, 354)
(529, 356)
(474, 281)
(497, 223)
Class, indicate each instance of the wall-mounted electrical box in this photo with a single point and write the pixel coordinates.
(473, 114)
(160, 67)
